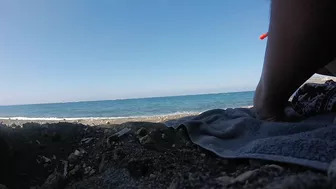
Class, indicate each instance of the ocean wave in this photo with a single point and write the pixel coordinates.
(104, 118)
(95, 118)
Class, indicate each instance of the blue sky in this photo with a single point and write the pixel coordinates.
(74, 50)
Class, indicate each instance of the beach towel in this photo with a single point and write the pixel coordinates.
(236, 133)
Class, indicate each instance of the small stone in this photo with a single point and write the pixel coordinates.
(152, 176)
(72, 157)
(86, 140)
(53, 181)
(188, 143)
(146, 140)
(119, 134)
(224, 180)
(141, 132)
(77, 153)
(101, 164)
(87, 170)
(276, 167)
(202, 154)
(242, 178)
(75, 171)
(174, 184)
(107, 131)
(45, 159)
(92, 172)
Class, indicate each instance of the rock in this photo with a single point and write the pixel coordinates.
(45, 159)
(86, 140)
(107, 131)
(101, 164)
(244, 176)
(152, 176)
(87, 170)
(174, 184)
(119, 134)
(75, 171)
(141, 132)
(78, 153)
(2, 186)
(93, 171)
(163, 136)
(278, 168)
(224, 180)
(53, 181)
(188, 144)
(75, 155)
(72, 157)
(65, 168)
(145, 140)
(116, 136)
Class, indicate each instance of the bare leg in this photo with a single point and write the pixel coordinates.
(300, 42)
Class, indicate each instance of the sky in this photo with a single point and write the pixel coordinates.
(78, 50)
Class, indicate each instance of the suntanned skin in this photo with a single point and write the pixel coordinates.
(301, 41)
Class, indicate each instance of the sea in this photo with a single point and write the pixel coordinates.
(128, 108)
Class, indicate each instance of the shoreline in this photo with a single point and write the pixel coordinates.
(99, 121)
(93, 121)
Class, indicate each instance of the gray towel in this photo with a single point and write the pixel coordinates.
(236, 133)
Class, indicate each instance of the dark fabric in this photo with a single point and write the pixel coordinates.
(237, 133)
(313, 99)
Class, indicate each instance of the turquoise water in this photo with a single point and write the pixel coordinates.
(129, 107)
